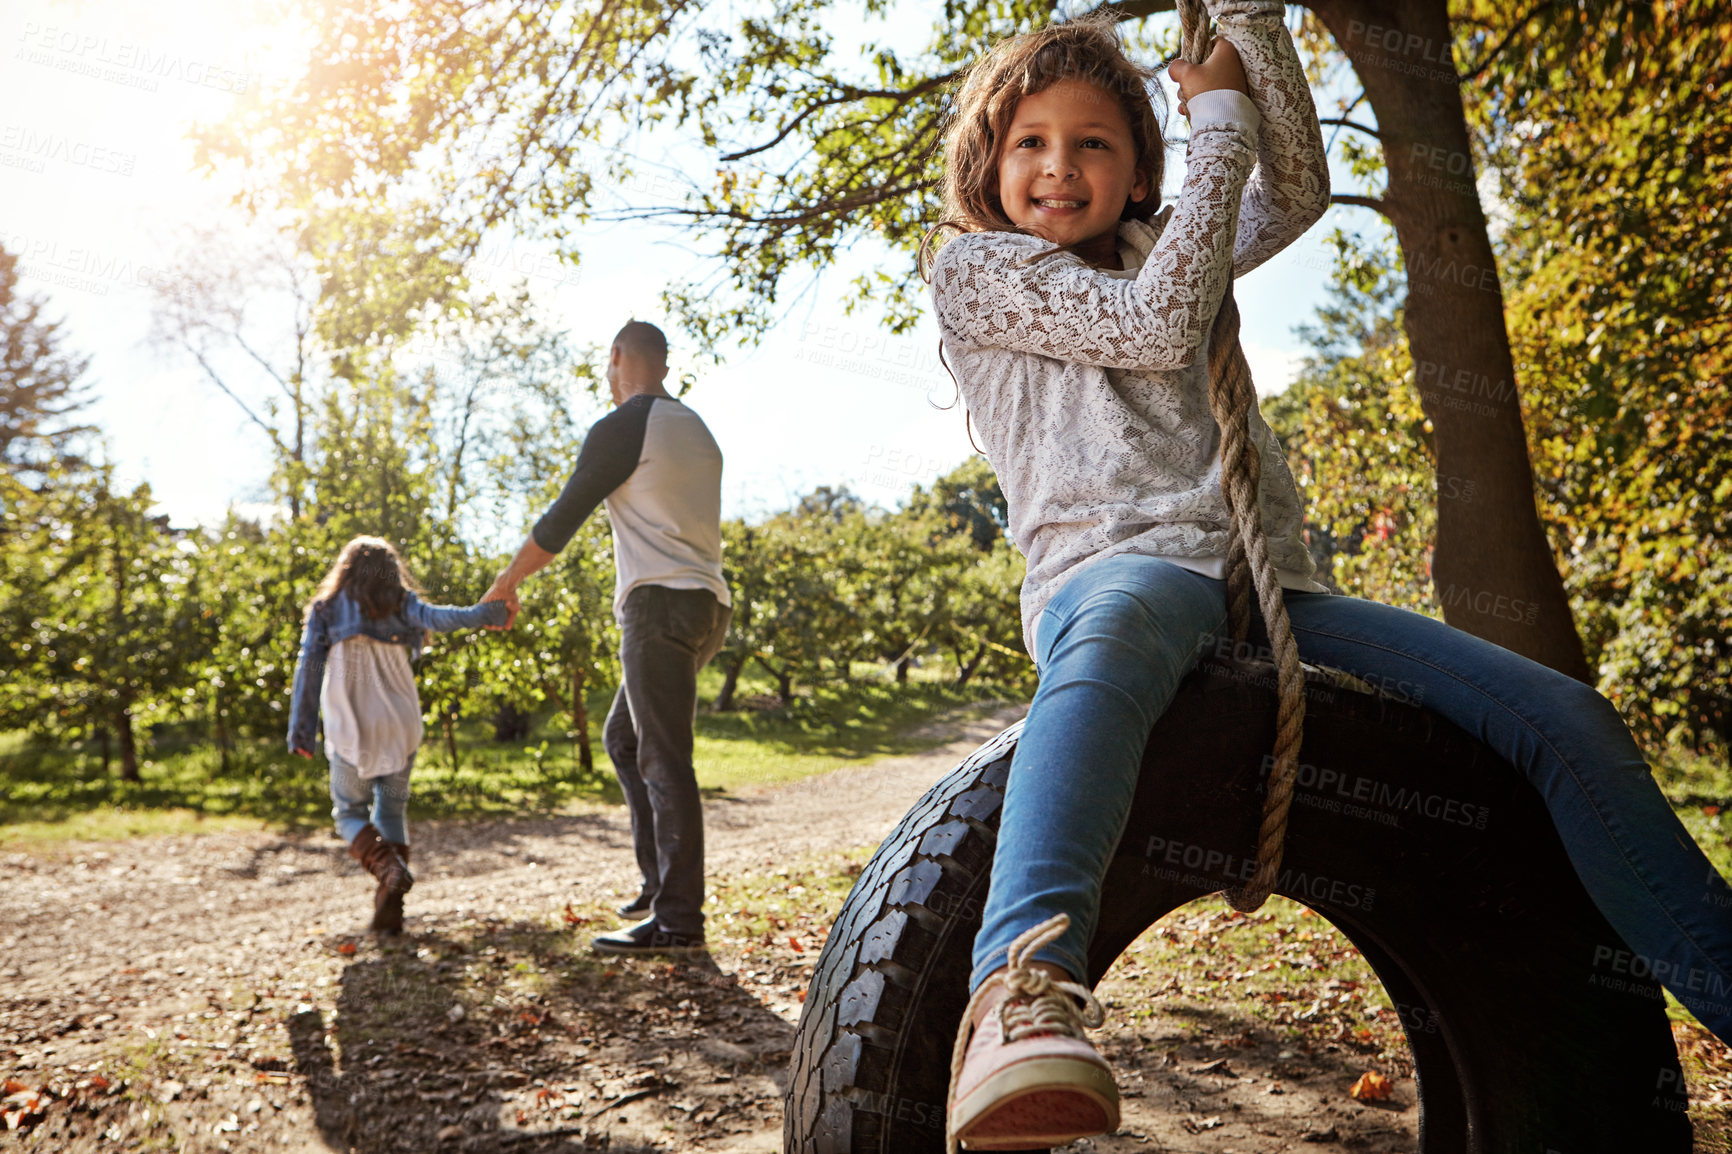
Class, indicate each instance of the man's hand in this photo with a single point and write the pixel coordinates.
(1222, 69)
(531, 558)
(499, 591)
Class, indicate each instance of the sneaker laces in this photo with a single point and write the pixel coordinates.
(1037, 1003)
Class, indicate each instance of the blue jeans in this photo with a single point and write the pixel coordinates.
(1116, 640)
(353, 796)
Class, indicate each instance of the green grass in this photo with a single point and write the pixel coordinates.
(53, 793)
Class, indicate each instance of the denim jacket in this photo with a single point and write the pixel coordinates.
(340, 618)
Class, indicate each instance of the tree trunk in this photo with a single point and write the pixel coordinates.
(221, 728)
(730, 682)
(1493, 570)
(973, 664)
(580, 722)
(902, 670)
(510, 723)
(449, 724)
(128, 747)
(784, 680)
(107, 750)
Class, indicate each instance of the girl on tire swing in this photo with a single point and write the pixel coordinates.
(1076, 321)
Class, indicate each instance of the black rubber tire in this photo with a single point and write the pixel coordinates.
(1479, 930)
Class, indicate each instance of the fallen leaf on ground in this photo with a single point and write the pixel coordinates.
(1371, 1087)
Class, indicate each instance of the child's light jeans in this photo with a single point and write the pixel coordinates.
(356, 800)
(1119, 636)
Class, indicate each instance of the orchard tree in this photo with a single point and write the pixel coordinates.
(101, 621)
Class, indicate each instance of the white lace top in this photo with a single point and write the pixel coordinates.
(1090, 388)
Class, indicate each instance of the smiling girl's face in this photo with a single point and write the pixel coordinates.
(1068, 167)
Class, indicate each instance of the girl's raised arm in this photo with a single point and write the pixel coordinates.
(1289, 190)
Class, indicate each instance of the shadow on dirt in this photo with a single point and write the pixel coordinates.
(512, 1037)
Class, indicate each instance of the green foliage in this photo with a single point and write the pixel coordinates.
(1613, 143)
(1358, 442)
(100, 619)
(832, 582)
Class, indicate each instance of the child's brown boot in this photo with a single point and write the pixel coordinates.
(389, 864)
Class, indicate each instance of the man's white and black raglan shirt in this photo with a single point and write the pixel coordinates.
(655, 464)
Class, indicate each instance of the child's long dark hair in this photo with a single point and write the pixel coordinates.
(369, 570)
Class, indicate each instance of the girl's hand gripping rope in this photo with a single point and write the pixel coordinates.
(1222, 69)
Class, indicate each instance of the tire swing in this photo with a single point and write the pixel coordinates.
(1442, 866)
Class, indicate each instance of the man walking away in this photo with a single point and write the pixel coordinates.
(654, 463)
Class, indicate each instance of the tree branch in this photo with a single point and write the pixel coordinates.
(1137, 9)
(1343, 122)
(217, 380)
(1372, 202)
(846, 96)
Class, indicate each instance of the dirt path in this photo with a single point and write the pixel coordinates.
(219, 993)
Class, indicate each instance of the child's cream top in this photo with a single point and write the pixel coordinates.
(372, 712)
(1090, 388)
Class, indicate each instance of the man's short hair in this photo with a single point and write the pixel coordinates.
(642, 339)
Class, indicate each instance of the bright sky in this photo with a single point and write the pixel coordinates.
(97, 188)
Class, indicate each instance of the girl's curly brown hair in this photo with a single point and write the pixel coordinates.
(1088, 50)
(371, 572)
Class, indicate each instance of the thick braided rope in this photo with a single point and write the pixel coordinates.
(1231, 398)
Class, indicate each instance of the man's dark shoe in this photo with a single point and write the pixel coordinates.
(646, 939)
(638, 907)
